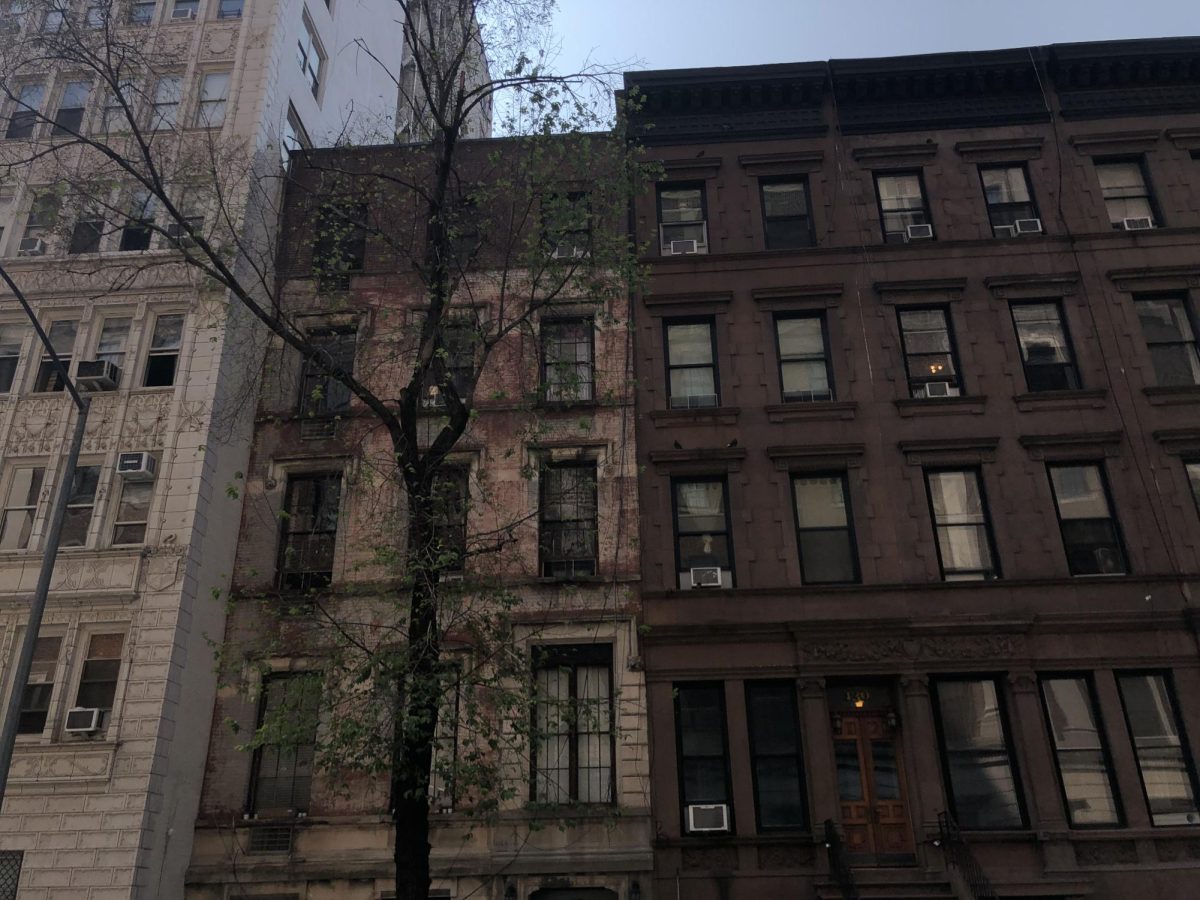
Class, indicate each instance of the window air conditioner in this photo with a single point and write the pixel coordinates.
(1004, 231)
(918, 233)
(940, 389)
(82, 720)
(683, 248)
(1137, 223)
(31, 246)
(183, 14)
(706, 577)
(707, 817)
(137, 466)
(97, 375)
(1028, 226)
(567, 250)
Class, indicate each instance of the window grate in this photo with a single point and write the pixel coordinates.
(10, 873)
(270, 839)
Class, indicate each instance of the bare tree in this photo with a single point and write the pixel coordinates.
(473, 230)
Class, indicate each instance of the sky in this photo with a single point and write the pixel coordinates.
(680, 34)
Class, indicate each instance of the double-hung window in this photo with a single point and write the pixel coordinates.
(960, 519)
(1089, 530)
(703, 746)
(1167, 327)
(12, 336)
(682, 219)
(141, 12)
(119, 108)
(62, 338)
(43, 215)
(1084, 768)
(69, 118)
(773, 722)
(977, 756)
(340, 243)
(281, 779)
(451, 499)
(112, 344)
(320, 393)
(787, 215)
(930, 357)
(567, 224)
(1163, 757)
(903, 209)
(87, 232)
(39, 689)
(567, 522)
(310, 523)
(229, 9)
(25, 111)
(1011, 210)
(162, 361)
(692, 364)
(185, 9)
(20, 507)
(455, 368)
(139, 224)
(1046, 353)
(214, 95)
(133, 512)
(1126, 193)
(826, 535)
(168, 94)
(81, 503)
(98, 676)
(309, 55)
(573, 734)
(805, 372)
(567, 361)
(702, 539)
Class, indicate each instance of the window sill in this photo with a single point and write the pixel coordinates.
(1172, 396)
(800, 411)
(575, 579)
(682, 418)
(566, 406)
(941, 406)
(1035, 401)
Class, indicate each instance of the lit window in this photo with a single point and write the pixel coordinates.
(902, 205)
(1089, 531)
(20, 507)
(163, 358)
(929, 354)
(573, 745)
(960, 519)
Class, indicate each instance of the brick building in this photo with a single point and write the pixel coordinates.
(546, 467)
(919, 424)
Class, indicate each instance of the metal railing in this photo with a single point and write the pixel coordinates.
(959, 856)
(839, 862)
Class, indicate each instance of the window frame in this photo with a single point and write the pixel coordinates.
(955, 358)
(995, 573)
(158, 120)
(827, 357)
(587, 387)
(57, 127)
(925, 208)
(444, 531)
(205, 103)
(1023, 168)
(1147, 185)
(728, 532)
(313, 77)
(1185, 301)
(59, 678)
(118, 523)
(310, 377)
(1105, 751)
(6, 506)
(93, 506)
(155, 353)
(806, 812)
(810, 229)
(45, 385)
(1072, 367)
(1112, 516)
(285, 532)
(677, 690)
(81, 649)
(855, 563)
(692, 185)
(588, 465)
(255, 774)
(711, 322)
(221, 7)
(14, 378)
(23, 119)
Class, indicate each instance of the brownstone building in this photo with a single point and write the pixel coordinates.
(919, 418)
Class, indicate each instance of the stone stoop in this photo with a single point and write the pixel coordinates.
(890, 884)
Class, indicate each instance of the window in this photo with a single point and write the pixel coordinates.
(457, 364)
(133, 512)
(43, 215)
(980, 776)
(281, 780)
(98, 676)
(826, 537)
(62, 339)
(118, 110)
(165, 110)
(80, 504)
(292, 136)
(163, 358)
(700, 724)
(1089, 531)
(567, 520)
(930, 358)
(214, 93)
(573, 748)
(87, 232)
(96, 14)
(54, 20)
(340, 243)
(1045, 348)
(451, 497)
(320, 393)
(26, 108)
(902, 204)
(6, 211)
(1164, 760)
(229, 9)
(1193, 474)
(139, 225)
(11, 338)
(1006, 190)
(309, 531)
(1126, 191)
(787, 218)
(185, 9)
(12, 13)
(69, 118)
(1167, 327)
(960, 519)
(805, 372)
(702, 538)
(310, 55)
(682, 219)
(691, 364)
(567, 224)
(20, 507)
(35, 699)
(141, 12)
(772, 720)
(114, 336)
(567, 373)
(1084, 769)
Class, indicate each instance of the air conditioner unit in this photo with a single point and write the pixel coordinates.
(97, 375)
(137, 466)
(706, 577)
(183, 14)
(683, 248)
(1137, 223)
(567, 250)
(1028, 226)
(82, 720)
(918, 233)
(940, 389)
(707, 817)
(31, 246)
(1004, 231)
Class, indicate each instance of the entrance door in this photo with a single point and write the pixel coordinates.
(871, 789)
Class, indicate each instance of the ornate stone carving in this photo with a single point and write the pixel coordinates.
(61, 763)
(785, 856)
(35, 426)
(710, 858)
(1106, 853)
(145, 420)
(900, 649)
(101, 424)
(218, 40)
(193, 414)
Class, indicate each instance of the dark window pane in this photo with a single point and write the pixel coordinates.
(1162, 753)
(849, 773)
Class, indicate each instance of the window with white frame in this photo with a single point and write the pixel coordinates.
(98, 676)
(185, 9)
(214, 95)
(163, 359)
(113, 341)
(133, 511)
(81, 503)
(23, 493)
(310, 56)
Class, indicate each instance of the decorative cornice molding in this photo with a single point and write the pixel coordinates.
(776, 163)
(1079, 445)
(1149, 278)
(811, 457)
(904, 291)
(1058, 284)
(901, 152)
(654, 301)
(1179, 441)
(1000, 149)
(1114, 142)
(811, 294)
(949, 451)
(704, 459)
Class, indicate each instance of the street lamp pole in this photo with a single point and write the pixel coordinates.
(8, 735)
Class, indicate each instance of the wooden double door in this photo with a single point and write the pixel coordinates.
(871, 789)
